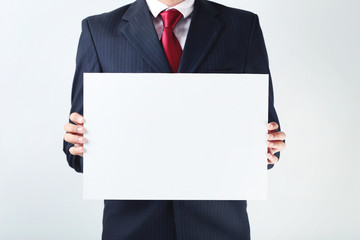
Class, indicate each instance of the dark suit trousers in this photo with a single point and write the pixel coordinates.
(175, 220)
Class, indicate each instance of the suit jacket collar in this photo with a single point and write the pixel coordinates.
(139, 29)
(204, 29)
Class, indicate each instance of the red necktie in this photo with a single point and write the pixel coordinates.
(169, 41)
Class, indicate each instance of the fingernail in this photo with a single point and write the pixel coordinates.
(80, 139)
(271, 144)
(271, 136)
(80, 129)
(81, 149)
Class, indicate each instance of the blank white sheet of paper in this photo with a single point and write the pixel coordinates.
(175, 136)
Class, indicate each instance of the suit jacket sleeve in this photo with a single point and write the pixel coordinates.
(86, 61)
(257, 62)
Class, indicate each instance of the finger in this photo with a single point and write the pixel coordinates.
(72, 128)
(272, 158)
(273, 150)
(71, 138)
(272, 127)
(280, 145)
(77, 118)
(76, 151)
(277, 136)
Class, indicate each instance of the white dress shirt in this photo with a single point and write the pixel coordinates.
(182, 27)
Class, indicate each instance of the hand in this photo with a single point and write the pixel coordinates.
(75, 134)
(275, 142)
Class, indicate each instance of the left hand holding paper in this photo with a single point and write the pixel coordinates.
(275, 142)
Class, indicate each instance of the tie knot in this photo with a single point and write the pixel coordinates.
(170, 18)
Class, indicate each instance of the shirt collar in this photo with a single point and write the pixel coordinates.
(156, 7)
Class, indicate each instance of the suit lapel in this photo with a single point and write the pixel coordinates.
(139, 29)
(203, 32)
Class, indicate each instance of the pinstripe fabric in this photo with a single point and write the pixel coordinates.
(220, 40)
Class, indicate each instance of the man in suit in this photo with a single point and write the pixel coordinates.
(150, 36)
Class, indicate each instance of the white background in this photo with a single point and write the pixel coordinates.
(313, 48)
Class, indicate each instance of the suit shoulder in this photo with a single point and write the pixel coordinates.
(231, 12)
(107, 17)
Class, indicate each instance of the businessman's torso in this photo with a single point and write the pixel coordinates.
(125, 40)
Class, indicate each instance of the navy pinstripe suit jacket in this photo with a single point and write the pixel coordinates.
(220, 40)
